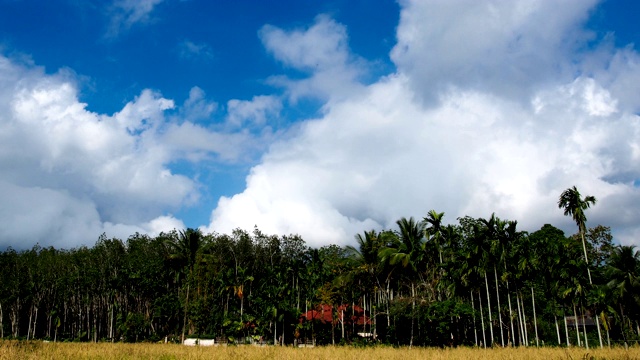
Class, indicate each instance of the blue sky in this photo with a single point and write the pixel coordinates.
(319, 118)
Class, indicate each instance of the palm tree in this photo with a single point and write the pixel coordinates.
(183, 251)
(434, 229)
(365, 265)
(624, 271)
(408, 251)
(574, 205)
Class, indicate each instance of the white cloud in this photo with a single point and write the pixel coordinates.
(512, 127)
(503, 47)
(126, 13)
(255, 112)
(321, 51)
(69, 174)
(191, 50)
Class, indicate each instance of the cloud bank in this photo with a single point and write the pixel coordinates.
(69, 174)
(488, 111)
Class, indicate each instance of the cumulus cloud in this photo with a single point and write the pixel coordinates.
(254, 112)
(69, 174)
(494, 46)
(320, 51)
(488, 112)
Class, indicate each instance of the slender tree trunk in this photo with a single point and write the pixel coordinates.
(373, 314)
(599, 333)
(484, 336)
(1, 323)
(584, 328)
(111, 324)
(557, 330)
(388, 301)
(413, 310)
(535, 320)
(586, 259)
(486, 282)
(521, 321)
(186, 304)
(513, 334)
(495, 273)
(524, 319)
(607, 328)
(35, 322)
(566, 328)
(575, 316)
(475, 329)
(29, 327)
(342, 322)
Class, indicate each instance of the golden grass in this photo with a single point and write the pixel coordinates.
(41, 350)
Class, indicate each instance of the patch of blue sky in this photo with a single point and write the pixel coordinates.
(616, 21)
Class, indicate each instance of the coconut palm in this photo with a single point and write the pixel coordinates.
(183, 251)
(624, 271)
(407, 251)
(574, 205)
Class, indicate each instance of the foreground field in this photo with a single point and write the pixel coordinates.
(40, 350)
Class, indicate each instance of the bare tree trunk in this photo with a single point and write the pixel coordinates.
(566, 328)
(388, 301)
(29, 327)
(486, 283)
(35, 321)
(275, 331)
(520, 321)
(513, 334)
(524, 319)
(413, 309)
(557, 330)
(575, 316)
(342, 322)
(475, 329)
(495, 273)
(584, 328)
(484, 336)
(535, 320)
(186, 304)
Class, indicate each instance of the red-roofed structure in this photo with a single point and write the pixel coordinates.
(347, 313)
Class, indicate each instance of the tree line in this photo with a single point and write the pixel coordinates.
(477, 282)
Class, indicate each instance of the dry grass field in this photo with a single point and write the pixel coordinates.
(40, 350)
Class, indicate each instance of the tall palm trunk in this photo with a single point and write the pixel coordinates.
(186, 305)
(486, 282)
(584, 328)
(495, 273)
(475, 329)
(524, 319)
(557, 329)
(413, 310)
(484, 336)
(584, 248)
(523, 326)
(535, 320)
(566, 328)
(513, 334)
(575, 316)
(388, 300)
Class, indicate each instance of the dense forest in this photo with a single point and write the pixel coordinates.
(475, 281)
